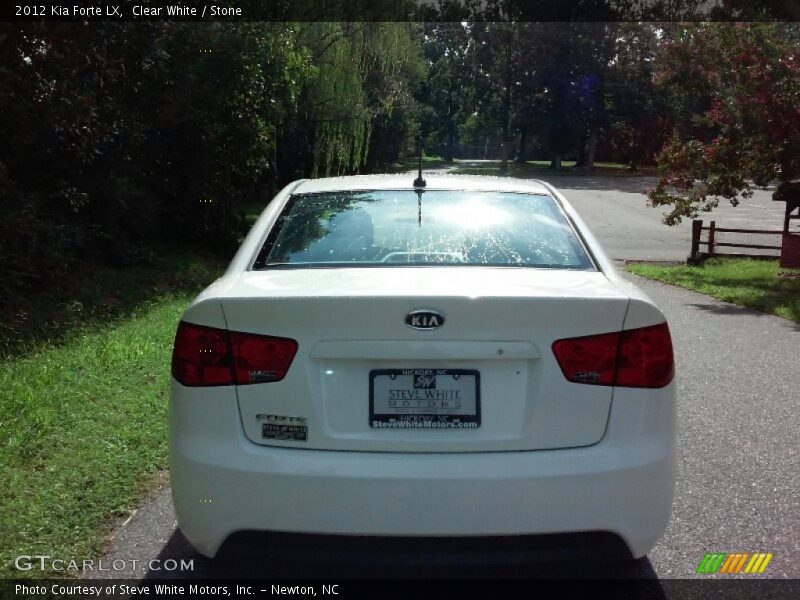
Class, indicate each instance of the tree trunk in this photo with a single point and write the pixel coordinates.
(504, 144)
(506, 109)
(580, 159)
(273, 168)
(449, 154)
(590, 148)
(449, 151)
(634, 152)
(555, 161)
(523, 145)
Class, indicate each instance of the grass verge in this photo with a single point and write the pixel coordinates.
(83, 420)
(539, 168)
(95, 294)
(758, 284)
(410, 163)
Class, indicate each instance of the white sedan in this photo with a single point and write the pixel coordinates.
(454, 361)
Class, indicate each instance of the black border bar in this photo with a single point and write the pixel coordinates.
(143, 11)
(256, 589)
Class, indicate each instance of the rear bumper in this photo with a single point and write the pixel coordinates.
(222, 483)
(398, 552)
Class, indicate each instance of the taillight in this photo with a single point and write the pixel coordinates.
(591, 359)
(261, 358)
(201, 356)
(206, 356)
(632, 358)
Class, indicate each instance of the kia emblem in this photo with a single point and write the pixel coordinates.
(424, 319)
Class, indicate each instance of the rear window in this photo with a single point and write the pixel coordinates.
(401, 227)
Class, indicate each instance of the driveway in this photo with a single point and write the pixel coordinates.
(737, 491)
(616, 210)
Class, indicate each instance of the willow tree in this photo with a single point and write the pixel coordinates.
(361, 72)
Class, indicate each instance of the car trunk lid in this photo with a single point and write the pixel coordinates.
(356, 354)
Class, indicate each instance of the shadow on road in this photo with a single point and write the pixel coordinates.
(630, 183)
(568, 178)
(249, 562)
(735, 310)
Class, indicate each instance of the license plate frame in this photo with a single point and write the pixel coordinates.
(415, 417)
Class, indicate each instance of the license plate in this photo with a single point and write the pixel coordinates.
(424, 399)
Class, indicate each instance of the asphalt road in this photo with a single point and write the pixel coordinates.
(616, 210)
(738, 488)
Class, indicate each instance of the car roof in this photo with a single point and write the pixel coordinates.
(481, 183)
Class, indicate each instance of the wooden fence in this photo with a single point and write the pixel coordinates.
(712, 244)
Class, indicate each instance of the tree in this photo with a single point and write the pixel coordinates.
(222, 92)
(117, 136)
(561, 89)
(640, 115)
(496, 55)
(447, 90)
(361, 73)
(749, 74)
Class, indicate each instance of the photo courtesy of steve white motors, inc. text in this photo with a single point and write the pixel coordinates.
(169, 589)
(111, 11)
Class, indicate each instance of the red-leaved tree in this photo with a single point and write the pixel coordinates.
(742, 83)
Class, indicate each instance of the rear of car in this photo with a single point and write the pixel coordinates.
(455, 361)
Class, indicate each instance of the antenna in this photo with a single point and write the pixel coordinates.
(419, 182)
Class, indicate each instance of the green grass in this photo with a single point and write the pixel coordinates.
(409, 163)
(758, 284)
(95, 294)
(540, 168)
(252, 209)
(83, 419)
